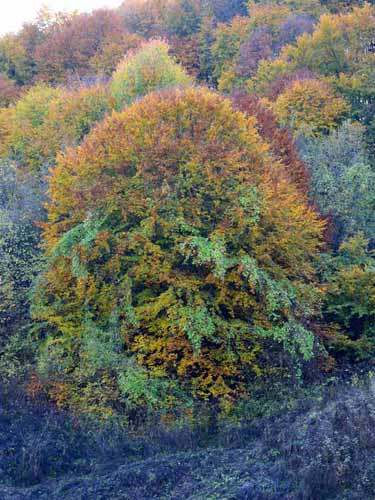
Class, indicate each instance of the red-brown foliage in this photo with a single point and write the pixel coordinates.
(284, 81)
(72, 45)
(257, 47)
(8, 91)
(280, 139)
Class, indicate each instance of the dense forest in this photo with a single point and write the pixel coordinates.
(187, 252)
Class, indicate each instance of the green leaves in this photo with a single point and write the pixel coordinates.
(209, 252)
(350, 299)
(148, 69)
(197, 324)
(343, 181)
(79, 237)
(295, 339)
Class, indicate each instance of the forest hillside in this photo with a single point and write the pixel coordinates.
(187, 252)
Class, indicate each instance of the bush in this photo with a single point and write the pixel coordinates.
(350, 299)
(20, 256)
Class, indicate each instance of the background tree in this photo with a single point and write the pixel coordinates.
(46, 121)
(280, 139)
(18, 50)
(228, 39)
(310, 107)
(24, 125)
(111, 52)
(225, 10)
(70, 117)
(257, 47)
(343, 181)
(340, 50)
(68, 51)
(8, 91)
(150, 68)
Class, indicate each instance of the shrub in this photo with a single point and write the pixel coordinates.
(343, 180)
(350, 298)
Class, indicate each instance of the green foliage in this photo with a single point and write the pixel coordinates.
(81, 237)
(343, 181)
(139, 390)
(228, 39)
(19, 263)
(70, 117)
(298, 341)
(350, 299)
(25, 123)
(46, 121)
(197, 324)
(212, 252)
(148, 69)
(16, 61)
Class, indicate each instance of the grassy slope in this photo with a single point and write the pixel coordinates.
(323, 449)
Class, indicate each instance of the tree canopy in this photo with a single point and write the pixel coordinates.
(196, 280)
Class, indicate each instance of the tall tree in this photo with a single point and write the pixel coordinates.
(194, 283)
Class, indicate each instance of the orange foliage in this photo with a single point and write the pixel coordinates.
(174, 218)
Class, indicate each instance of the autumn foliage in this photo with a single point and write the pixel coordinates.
(75, 47)
(202, 173)
(279, 138)
(309, 107)
(8, 91)
(149, 68)
(46, 121)
(197, 280)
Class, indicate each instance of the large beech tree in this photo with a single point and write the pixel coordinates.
(173, 226)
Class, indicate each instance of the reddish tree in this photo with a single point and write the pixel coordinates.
(284, 81)
(186, 52)
(73, 44)
(280, 139)
(257, 47)
(293, 27)
(8, 91)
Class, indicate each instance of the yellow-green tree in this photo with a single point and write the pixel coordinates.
(310, 107)
(23, 128)
(148, 69)
(228, 39)
(46, 121)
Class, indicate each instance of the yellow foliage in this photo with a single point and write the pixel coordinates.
(310, 107)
